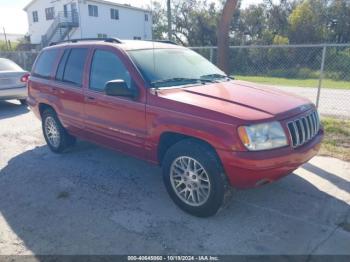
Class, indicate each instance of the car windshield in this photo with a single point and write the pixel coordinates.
(8, 65)
(175, 67)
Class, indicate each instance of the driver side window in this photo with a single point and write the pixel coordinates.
(107, 66)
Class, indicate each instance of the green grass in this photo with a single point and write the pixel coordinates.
(327, 83)
(336, 142)
(3, 46)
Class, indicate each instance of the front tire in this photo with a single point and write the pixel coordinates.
(57, 138)
(194, 178)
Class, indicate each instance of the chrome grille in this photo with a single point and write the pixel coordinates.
(304, 129)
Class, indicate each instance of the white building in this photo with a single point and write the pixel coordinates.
(57, 20)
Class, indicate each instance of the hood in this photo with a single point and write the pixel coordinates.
(240, 99)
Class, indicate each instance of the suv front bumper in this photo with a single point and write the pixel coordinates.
(249, 169)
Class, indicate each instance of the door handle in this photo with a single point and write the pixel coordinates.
(90, 98)
(54, 90)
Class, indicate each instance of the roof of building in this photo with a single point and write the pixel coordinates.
(102, 2)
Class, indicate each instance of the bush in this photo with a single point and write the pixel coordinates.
(299, 73)
(338, 64)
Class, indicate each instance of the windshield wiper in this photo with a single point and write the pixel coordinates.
(181, 80)
(214, 77)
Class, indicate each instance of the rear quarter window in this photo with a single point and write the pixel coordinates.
(44, 65)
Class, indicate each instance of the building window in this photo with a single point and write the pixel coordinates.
(93, 10)
(102, 35)
(115, 14)
(50, 13)
(35, 16)
(146, 17)
(137, 38)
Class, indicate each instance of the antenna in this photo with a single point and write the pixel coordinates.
(154, 58)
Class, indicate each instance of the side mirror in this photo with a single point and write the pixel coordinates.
(119, 88)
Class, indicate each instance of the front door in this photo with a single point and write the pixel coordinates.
(117, 122)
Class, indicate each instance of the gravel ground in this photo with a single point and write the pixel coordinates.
(91, 200)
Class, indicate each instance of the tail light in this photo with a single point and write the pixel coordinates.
(25, 78)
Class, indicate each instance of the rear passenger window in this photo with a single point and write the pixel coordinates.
(107, 66)
(62, 65)
(45, 63)
(73, 67)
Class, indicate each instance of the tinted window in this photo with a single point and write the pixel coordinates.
(73, 72)
(105, 67)
(62, 65)
(45, 63)
(8, 65)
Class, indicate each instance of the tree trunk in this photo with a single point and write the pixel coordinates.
(223, 35)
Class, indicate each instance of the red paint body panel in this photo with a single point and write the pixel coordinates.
(210, 112)
(246, 169)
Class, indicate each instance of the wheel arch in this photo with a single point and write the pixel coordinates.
(168, 139)
(43, 107)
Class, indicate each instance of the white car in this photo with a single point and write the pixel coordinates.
(13, 81)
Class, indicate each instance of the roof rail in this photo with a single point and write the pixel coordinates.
(165, 42)
(108, 40)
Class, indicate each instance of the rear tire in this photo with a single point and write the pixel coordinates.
(194, 178)
(56, 136)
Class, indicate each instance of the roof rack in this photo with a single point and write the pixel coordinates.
(165, 42)
(108, 40)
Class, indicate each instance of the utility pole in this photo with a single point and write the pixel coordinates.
(169, 20)
(7, 47)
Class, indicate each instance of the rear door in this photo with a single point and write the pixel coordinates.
(117, 122)
(68, 87)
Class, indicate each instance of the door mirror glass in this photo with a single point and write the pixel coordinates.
(119, 88)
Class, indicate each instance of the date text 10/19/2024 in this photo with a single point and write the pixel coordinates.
(173, 258)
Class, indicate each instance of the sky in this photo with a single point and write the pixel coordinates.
(14, 19)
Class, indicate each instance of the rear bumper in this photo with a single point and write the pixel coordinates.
(250, 169)
(34, 107)
(13, 93)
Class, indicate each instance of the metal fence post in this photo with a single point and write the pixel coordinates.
(211, 54)
(321, 76)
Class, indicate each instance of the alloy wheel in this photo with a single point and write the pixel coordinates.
(190, 181)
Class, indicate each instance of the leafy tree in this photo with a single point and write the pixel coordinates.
(307, 22)
(338, 19)
(159, 20)
(195, 22)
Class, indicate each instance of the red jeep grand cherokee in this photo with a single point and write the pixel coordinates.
(166, 104)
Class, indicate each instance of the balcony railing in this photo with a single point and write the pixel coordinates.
(60, 27)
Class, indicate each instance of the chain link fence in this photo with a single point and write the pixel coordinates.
(320, 73)
(23, 58)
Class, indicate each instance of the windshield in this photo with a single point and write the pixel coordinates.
(174, 67)
(8, 65)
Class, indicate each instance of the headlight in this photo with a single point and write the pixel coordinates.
(263, 136)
